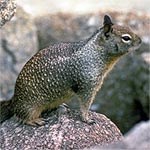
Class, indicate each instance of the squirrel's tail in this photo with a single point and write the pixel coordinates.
(6, 110)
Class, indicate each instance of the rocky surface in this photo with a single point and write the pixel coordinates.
(18, 42)
(136, 139)
(64, 132)
(7, 10)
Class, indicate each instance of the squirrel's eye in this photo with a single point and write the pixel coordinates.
(126, 38)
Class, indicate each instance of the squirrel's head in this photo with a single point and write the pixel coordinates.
(116, 39)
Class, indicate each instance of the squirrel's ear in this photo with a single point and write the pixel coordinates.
(107, 25)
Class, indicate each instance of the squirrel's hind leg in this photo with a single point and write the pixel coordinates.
(35, 122)
(33, 118)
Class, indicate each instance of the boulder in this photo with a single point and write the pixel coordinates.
(61, 27)
(63, 130)
(138, 138)
(7, 10)
(18, 42)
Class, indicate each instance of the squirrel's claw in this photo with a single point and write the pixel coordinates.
(36, 122)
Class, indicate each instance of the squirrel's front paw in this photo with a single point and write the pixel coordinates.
(89, 121)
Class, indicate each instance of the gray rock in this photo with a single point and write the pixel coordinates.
(138, 138)
(18, 42)
(7, 10)
(64, 132)
(65, 27)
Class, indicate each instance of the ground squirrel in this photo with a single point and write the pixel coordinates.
(53, 75)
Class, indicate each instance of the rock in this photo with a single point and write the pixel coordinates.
(18, 42)
(137, 138)
(7, 10)
(65, 27)
(64, 132)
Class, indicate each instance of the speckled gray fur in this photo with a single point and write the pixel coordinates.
(54, 74)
